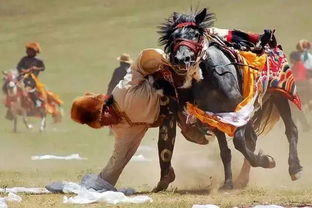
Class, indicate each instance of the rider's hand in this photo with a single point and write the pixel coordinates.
(34, 68)
(266, 37)
(26, 70)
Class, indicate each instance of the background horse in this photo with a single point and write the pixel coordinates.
(218, 88)
(19, 103)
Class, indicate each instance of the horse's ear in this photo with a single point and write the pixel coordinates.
(5, 74)
(200, 16)
(175, 16)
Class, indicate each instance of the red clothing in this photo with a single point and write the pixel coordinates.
(238, 36)
(299, 71)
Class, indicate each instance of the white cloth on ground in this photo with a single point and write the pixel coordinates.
(85, 196)
(205, 206)
(10, 198)
(140, 158)
(24, 190)
(56, 157)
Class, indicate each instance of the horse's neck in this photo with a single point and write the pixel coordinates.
(219, 91)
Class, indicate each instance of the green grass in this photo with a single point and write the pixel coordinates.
(80, 41)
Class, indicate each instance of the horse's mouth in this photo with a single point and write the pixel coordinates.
(184, 57)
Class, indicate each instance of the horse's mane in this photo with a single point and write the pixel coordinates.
(167, 28)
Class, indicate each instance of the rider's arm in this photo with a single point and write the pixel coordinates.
(39, 66)
(20, 66)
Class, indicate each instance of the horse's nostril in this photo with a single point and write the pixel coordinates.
(187, 59)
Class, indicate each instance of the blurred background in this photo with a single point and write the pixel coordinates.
(80, 41)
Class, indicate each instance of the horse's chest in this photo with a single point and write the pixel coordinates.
(213, 100)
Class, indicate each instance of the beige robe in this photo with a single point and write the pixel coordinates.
(136, 97)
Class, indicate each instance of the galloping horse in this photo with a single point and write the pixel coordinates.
(19, 103)
(15, 99)
(215, 84)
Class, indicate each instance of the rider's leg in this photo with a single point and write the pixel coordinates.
(127, 140)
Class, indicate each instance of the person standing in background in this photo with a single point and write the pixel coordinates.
(303, 47)
(120, 72)
(301, 77)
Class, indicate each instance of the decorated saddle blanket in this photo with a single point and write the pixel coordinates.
(268, 72)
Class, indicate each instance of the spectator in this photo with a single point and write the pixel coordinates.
(120, 72)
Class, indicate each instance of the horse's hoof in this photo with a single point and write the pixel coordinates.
(165, 181)
(297, 175)
(269, 162)
(226, 187)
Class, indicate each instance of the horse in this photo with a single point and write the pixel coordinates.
(18, 101)
(214, 83)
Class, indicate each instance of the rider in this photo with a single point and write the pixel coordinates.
(29, 66)
(134, 106)
(242, 40)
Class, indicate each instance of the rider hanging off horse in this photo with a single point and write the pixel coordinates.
(207, 80)
(34, 99)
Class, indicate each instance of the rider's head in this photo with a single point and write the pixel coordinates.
(32, 49)
(87, 109)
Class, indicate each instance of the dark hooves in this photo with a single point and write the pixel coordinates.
(165, 181)
(268, 161)
(226, 187)
(297, 175)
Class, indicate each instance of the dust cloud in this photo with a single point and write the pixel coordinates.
(200, 167)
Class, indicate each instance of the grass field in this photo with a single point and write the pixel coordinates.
(80, 42)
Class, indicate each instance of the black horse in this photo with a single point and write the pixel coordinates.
(218, 90)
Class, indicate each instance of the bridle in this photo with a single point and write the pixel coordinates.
(195, 46)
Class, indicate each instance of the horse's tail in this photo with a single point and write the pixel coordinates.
(265, 118)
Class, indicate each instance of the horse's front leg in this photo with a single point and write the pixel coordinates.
(25, 120)
(295, 169)
(255, 160)
(166, 140)
(43, 122)
(226, 157)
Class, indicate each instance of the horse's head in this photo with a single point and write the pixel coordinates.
(183, 36)
(10, 79)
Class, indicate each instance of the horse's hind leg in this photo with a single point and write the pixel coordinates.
(291, 132)
(15, 124)
(243, 178)
(226, 157)
(255, 160)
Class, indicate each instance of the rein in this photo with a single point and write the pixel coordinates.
(193, 45)
(196, 47)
